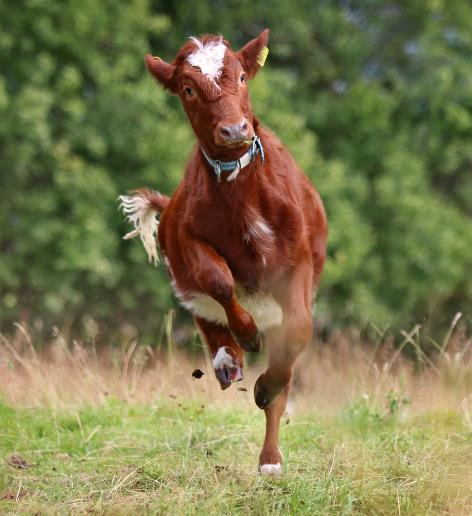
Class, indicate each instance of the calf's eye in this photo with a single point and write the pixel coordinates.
(188, 91)
(242, 78)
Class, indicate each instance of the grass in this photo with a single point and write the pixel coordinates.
(183, 457)
(123, 432)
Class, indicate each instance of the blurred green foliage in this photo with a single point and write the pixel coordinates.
(374, 99)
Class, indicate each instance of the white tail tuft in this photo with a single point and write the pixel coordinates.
(142, 215)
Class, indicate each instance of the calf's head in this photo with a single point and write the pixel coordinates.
(211, 81)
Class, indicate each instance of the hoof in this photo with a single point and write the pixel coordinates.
(265, 393)
(227, 375)
(263, 396)
(274, 470)
(227, 367)
(251, 346)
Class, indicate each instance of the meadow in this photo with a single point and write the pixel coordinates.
(373, 99)
(128, 430)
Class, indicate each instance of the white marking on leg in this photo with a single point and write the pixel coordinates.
(223, 358)
(271, 469)
(223, 361)
(208, 57)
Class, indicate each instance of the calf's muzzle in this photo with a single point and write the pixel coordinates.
(233, 133)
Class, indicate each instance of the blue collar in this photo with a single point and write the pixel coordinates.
(237, 165)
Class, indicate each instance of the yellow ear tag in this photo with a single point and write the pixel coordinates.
(157, 57)
(262, 56)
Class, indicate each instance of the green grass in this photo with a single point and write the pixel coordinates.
(176, 456)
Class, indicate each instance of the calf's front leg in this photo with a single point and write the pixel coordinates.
(214, 277)
(226, 353)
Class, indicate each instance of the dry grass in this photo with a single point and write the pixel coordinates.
(329, 376)
(125, 430)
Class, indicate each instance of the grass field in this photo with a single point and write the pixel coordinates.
(122, 432)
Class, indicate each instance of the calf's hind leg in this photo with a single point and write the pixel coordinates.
(285, 345)
(271, 394)
(270, 458)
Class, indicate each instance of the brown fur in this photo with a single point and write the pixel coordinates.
(204, 228)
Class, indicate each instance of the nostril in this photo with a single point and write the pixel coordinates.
(225, 132)
(244, 127)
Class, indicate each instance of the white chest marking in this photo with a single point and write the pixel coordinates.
(208, 57)
(260, 232)
(265, 311)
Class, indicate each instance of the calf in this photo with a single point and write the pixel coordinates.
(244, 235)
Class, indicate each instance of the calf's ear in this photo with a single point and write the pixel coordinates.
(163, 72)
(254, 53)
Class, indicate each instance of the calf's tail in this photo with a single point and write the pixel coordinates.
(141, 208)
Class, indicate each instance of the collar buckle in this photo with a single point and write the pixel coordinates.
(217, 168)
(257, 146)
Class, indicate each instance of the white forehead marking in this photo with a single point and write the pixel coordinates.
(208, 57)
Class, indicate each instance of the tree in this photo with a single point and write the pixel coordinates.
(373, 98)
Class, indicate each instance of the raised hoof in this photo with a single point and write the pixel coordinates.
(227, 375)
(273, 470)
(251, 346)
(227, 367)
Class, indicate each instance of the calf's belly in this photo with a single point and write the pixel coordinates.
(264, 309)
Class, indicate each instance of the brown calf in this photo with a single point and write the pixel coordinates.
(244, 235)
